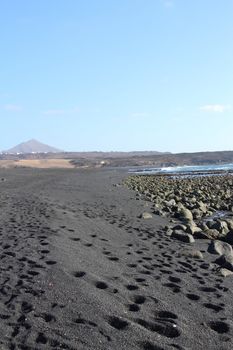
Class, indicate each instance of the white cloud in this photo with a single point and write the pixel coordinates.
(61, 111)
(12, 108)
(217, 108)
(54, 112)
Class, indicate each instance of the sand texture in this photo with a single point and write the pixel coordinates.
(36, 163)
(82, 268)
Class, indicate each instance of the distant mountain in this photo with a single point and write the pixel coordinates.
(32, 146)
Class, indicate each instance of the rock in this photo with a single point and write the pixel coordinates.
(182, 236)
(202, 206)
(158, 212)
(167, 227)
(225, 261)
(200, 235)
(212, 234)
(196, 213)
(229, 224)
(210, 224)
(146, 215)
(171, 203)
(193, 200)
(192, 253)
(221, 226)
(167, 209)
(229, 237)
(180, 227)
(185, 214)
(192, 228)
(220, 248)
(169, 232)
(203, 226)
(225, 272)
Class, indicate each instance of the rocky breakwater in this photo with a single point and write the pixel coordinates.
(198, 208)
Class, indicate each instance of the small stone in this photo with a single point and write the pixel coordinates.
(225, 261)
(210, 224)
(180, 227)
(169, 232)
(192, 253)
(220, 248)
(185, 214)
(221, 226)
(146, 215)
(212, 233)
(192, 228)
(182, 236)
(203, 226)
(200, 235)
(225, 272)
(171, 203)
(158, 212)
(196, 213)
(229, 237)
(229, 224)
(202, 206)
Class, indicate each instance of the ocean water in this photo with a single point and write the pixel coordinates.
(186, 169)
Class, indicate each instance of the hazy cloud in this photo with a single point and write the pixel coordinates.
(61, 111)
(140, 115)
(216, 108)
(54, 112)
(12, 108)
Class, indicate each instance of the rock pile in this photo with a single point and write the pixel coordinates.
(202, 205)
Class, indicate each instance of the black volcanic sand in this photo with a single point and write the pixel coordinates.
(81, 270)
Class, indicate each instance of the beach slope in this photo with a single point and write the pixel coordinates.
(83, 268)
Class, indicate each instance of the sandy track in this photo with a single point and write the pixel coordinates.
(37, 163)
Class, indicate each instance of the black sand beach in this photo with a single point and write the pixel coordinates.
(80, 269)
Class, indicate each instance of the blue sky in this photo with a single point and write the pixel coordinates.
(117, 74)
